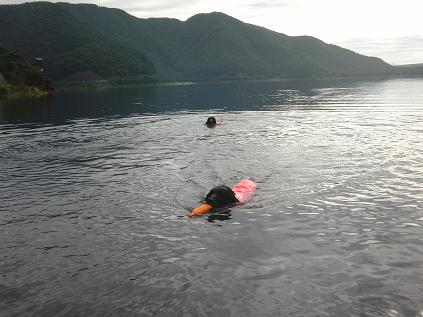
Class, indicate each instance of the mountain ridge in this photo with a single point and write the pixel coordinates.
(110, 43)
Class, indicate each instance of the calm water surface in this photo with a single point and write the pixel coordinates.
(95, 187)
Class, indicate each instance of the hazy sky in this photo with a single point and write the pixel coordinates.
(389, 29)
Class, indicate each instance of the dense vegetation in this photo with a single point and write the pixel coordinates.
(20, 78)
(89, 42)
(71, 48)
(217, 46)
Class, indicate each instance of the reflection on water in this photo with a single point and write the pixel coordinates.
(95, 187)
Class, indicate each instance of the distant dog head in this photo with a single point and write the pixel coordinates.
(221, 196)
(211, 121)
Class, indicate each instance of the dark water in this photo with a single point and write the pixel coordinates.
(95, 187)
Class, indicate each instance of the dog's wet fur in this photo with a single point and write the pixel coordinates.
(220, 197)
(211, 121)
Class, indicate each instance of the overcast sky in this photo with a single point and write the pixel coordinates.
(389, 29)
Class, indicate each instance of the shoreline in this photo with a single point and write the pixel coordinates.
(112, 83)
(13, 92)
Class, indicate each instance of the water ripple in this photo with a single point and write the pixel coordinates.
(93, 214)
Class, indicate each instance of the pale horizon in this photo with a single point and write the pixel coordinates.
(390, 30)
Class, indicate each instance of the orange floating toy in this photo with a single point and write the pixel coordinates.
(203, 209)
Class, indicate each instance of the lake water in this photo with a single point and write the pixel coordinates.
(95, 187)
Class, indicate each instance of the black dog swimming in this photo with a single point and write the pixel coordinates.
(220, 197)
(212, 122)
(217, 200)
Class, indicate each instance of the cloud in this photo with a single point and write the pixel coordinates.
(127, 5)
(147, 5)
(263, 4)
(396, 51)
(144, 8)
(11, 1)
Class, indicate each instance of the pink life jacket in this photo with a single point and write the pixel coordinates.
(244, 190)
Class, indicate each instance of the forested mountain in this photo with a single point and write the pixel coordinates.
(82, 40)
(19, 77)
(70, 47)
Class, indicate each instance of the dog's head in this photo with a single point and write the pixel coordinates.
(211, 121)
(221, 196)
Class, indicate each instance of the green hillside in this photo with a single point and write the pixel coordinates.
(20, 78)
(81, 41)
(217, 46)
(71, 48)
